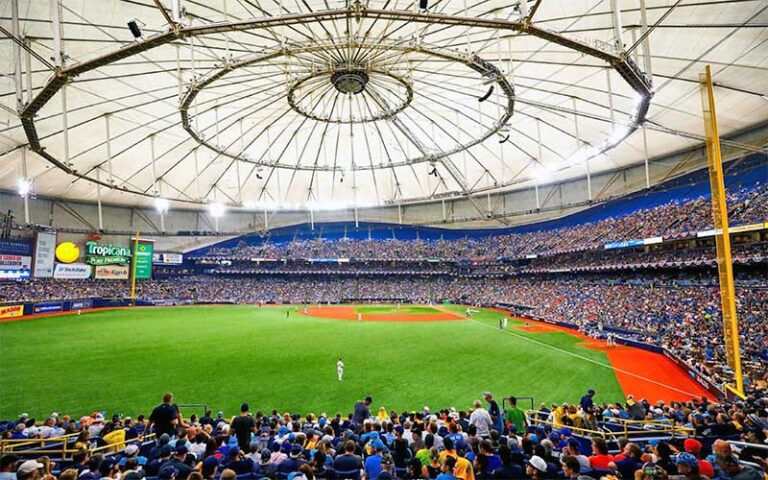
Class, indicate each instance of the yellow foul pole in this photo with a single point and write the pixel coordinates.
(722, 236)
(133, 267)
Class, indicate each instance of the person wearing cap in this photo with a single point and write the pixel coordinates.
(8, 465)
(362, 410)
(735, 470)
(293, 462)
(210, 467)
(243, 426)
(372, 464)
(164, 454)
(179, 462)
(481, 420)
(238, 462)
(586, 403)
(688, 466)
(571, 449)
(536, 467)
(694, 447)
(167, 473)
(29, 470)
(164, 417)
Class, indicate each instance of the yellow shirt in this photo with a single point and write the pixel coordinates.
(463, 469)
(115, 438)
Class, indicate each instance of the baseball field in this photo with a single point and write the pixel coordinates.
(284, 357)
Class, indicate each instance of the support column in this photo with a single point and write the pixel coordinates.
(647, 169)
(610, 95)
(646, 43)
(98, 198)
(58, 47)
(617, 29)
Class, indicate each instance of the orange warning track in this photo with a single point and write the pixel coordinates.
(641, 373)
(348, 313)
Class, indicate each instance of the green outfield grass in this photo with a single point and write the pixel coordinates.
(124, 360)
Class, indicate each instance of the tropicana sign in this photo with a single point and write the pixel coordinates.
(103, 254)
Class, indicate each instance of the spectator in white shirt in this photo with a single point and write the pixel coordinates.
(481, 419)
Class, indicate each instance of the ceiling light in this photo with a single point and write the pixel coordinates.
(24, 187)
(216, 210)
(162, 205)
(543, 174)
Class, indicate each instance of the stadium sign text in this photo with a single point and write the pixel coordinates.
(106, 254)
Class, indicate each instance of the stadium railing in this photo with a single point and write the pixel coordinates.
(59, 447)
(631, 429)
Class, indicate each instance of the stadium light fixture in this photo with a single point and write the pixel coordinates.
(24, 187)
(543, 174)
(162, 205)
(216, 210)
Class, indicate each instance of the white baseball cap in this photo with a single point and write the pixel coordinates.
(29, 466)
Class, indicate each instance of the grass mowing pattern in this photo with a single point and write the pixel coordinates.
(124, 360)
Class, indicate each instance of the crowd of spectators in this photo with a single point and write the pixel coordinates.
(483, 441)
(672, 220)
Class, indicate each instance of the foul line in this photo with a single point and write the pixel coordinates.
(573, 354)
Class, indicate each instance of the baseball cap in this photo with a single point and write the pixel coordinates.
(265, 456)
(565, 431)
(369, 399)
(210, 462)
(244, 407)
(296, 450)
(181, 449)
(167, 472)
(132, 449)
(692, 445)
(166, 450)
(538, 463)
(687, 459)
(233, 451)
(29, 466)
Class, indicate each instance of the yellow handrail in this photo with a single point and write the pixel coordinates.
(659, 427)
(11, 445)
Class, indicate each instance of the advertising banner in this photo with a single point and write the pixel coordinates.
(14, 274)
(15, 262)
(143, 258)
(48, 307)
(16, 247)
(624, 244)
(79, 304)
(72, 271)
(168, 258)
(106, 254)
(11, 311)
(45, 256)
(111, 272)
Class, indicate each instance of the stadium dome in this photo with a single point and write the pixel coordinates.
(324, 104)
